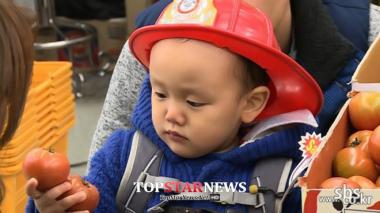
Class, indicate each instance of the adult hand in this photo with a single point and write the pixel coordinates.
(50, 201)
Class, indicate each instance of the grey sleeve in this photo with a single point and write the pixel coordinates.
(374, 23)
(120, 100)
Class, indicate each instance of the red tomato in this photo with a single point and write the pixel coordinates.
(352, 161)
(374, 145)
(359, 139)
(79, 184)
(338, 182)
(364, 182)
(48, 167)
(364, 110)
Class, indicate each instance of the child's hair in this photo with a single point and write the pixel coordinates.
(252, 74)
(16, 61)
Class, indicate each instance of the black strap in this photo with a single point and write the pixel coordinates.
(143, 157)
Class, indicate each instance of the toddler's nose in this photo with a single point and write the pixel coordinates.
(175, 115)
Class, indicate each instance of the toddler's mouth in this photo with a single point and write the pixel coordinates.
(175, 136)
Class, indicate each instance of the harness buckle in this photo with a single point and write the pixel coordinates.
(158, 208)
(142, 177)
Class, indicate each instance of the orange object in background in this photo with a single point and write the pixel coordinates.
(48, 115)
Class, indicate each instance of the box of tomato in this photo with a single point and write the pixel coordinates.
(343, 175)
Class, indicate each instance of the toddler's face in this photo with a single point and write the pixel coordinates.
(197, 100)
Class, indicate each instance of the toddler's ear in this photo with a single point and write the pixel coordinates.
(255, 102)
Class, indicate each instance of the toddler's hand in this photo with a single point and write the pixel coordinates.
(46, 201)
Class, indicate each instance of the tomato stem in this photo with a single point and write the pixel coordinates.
(85, 182)
(51, 149)
(354, 143)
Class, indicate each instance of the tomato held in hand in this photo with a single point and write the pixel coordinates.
(79, 184)
(48, 167)
(359, 139)
(374, 145)
(364, 110)
(364, 182)
(352, 161)
(338, 182)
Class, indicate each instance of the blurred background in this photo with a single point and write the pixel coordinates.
(90, 34)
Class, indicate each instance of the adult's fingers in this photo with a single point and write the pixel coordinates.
(73, 199)
(58, 190)
(31, 188)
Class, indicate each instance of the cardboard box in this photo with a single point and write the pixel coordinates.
(315, 200)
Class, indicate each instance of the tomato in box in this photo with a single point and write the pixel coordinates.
(338, 182)
(359, 139)
(364, 182)
(364, 110)
(352, 161)
(374, 145)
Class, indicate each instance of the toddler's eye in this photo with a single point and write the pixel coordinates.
(195, 104)
(160, 95)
